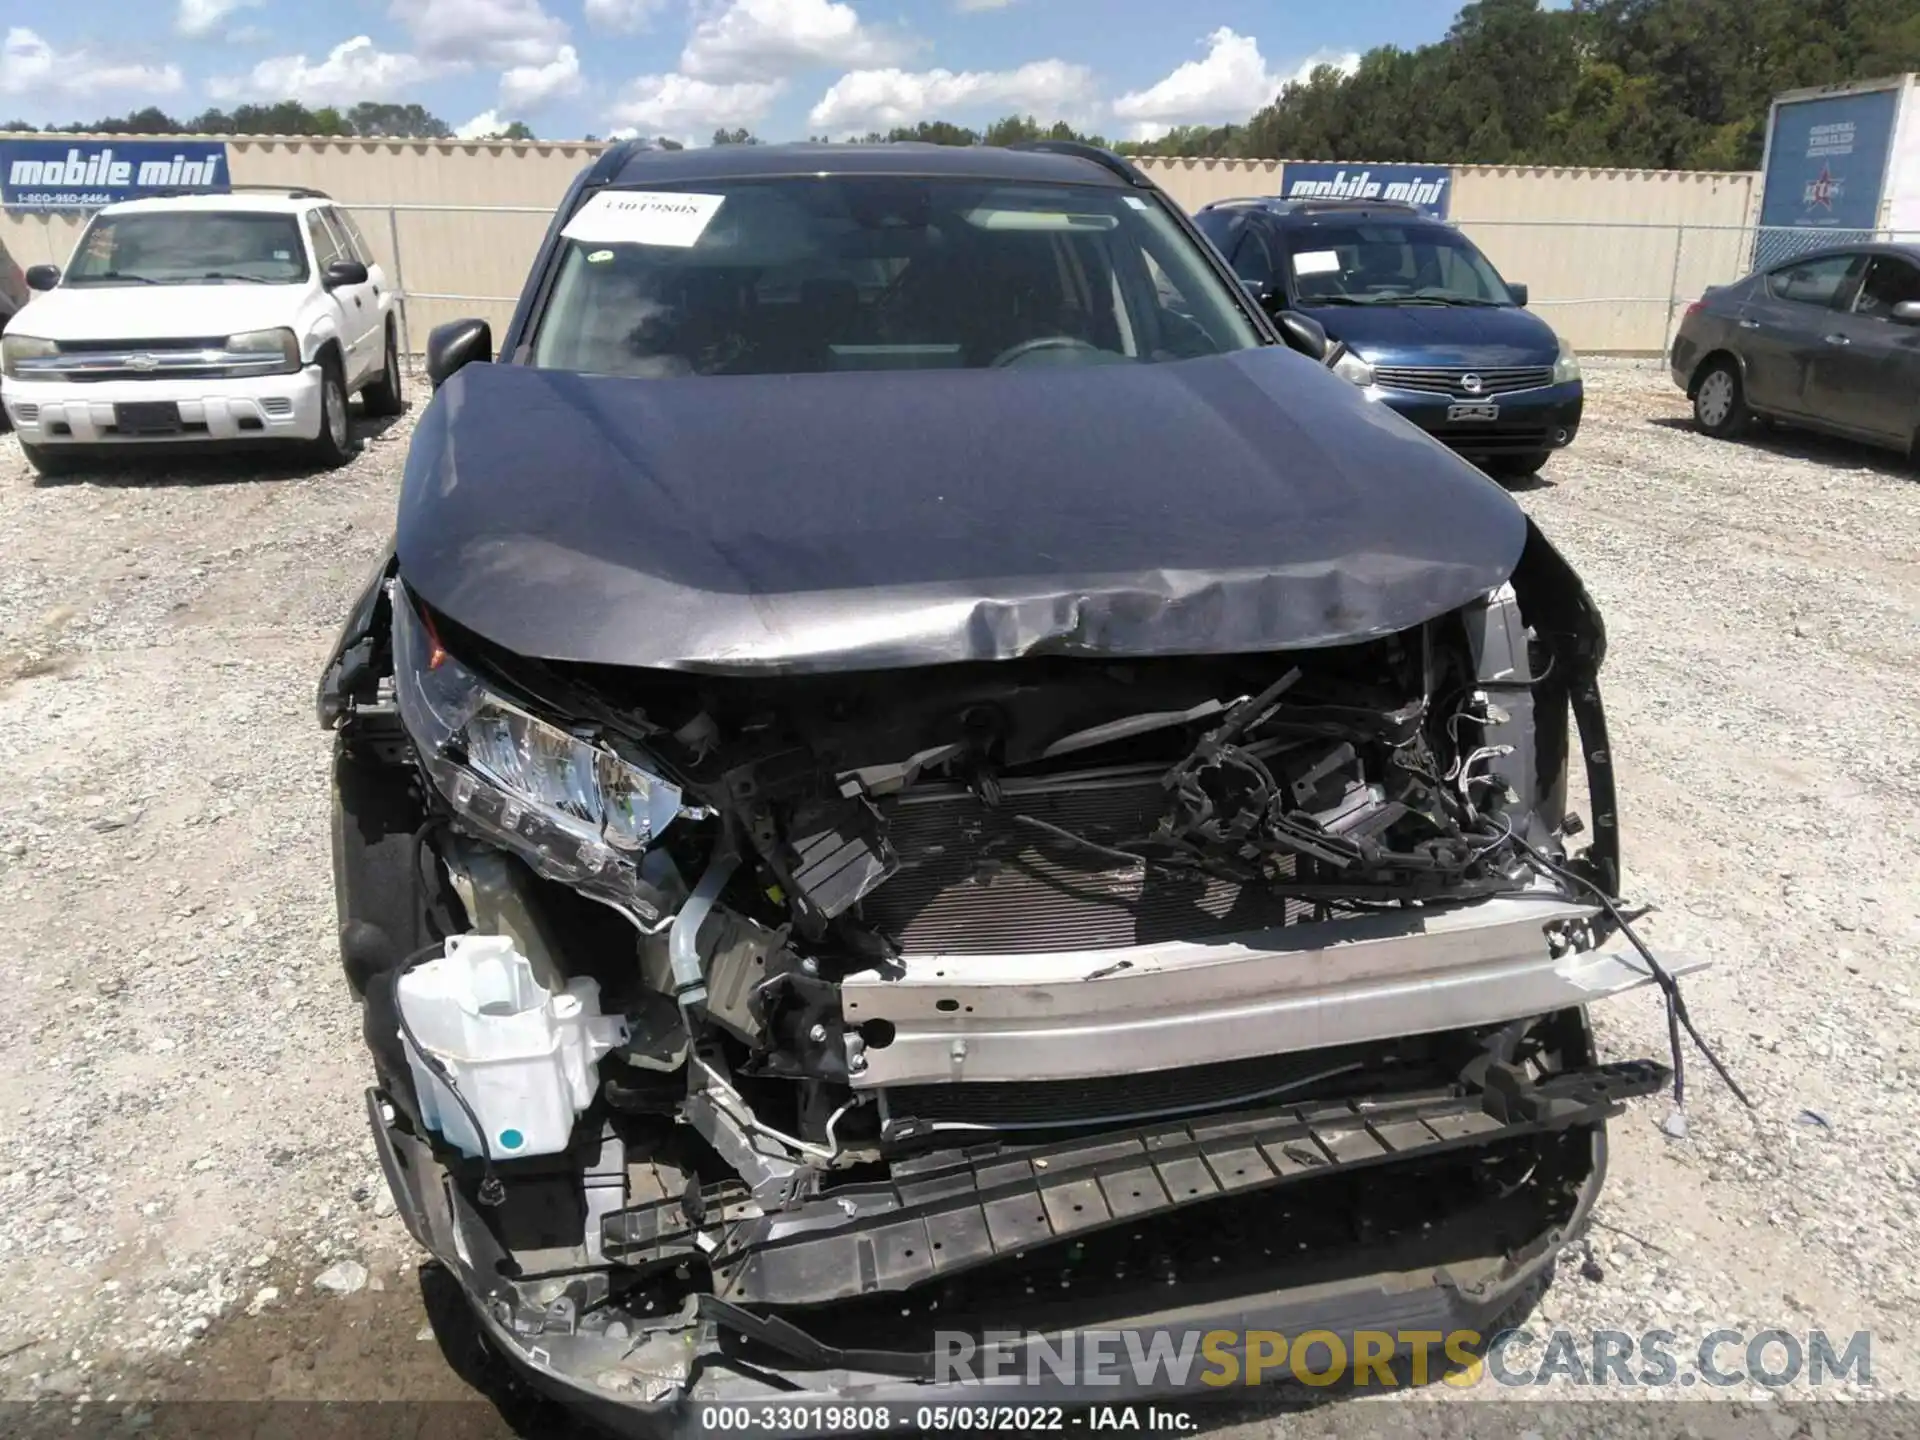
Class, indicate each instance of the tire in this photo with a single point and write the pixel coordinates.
(331, 448)
(384, 396)
(1720, 401)
(1519, 467)
(49, 461)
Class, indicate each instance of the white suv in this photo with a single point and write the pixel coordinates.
(203, 318)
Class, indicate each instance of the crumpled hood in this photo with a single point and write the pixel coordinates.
(1440, 334)
(156, 312)
(1243, 502)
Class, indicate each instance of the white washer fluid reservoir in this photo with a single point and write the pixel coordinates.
(525, 1059)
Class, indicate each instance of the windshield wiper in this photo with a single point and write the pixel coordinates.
(229, 275)
(114, 275)
(1337, 300)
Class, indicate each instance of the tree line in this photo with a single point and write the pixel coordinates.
(1641, 84)
(370, 118)
(1654, 84)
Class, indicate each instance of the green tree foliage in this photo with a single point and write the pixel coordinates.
(1663, 84)
(286, 117)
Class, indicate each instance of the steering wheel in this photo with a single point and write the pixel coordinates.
(1014, 354)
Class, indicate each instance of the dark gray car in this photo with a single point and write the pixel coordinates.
(1829, 340)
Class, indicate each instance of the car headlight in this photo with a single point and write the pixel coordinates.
(16, 348)
(1350, 366)
(1566, 367)
(265, 352)
(568, 804)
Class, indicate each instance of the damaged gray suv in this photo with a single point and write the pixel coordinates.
(915, 768)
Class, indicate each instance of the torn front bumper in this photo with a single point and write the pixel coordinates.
(1375, 1215)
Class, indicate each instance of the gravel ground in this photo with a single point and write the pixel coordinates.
(190, 1189)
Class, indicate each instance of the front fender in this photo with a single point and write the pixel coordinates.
(1556, 606)
(360, 654)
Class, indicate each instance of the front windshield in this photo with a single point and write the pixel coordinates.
(190, 247)
(1389, 264)
(833, 273)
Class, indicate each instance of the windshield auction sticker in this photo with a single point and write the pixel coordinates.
(644, 217)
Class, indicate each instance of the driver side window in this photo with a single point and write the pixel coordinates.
(1889, 282)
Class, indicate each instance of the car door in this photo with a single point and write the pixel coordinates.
(380, 287)
(1866, 378)
(1779, 331)
(351, 302)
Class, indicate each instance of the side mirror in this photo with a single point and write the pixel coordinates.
(456, 344)
(343, 272)
(1302, 333)
(42, 277)
(1519, 294)
(1907, 312)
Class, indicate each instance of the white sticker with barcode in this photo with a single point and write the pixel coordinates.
(644, 217)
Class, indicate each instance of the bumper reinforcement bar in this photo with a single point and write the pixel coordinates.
(956, 1209)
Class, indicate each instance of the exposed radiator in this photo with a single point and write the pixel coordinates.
(975, 881)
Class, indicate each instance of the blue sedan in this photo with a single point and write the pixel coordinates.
(1423, 320)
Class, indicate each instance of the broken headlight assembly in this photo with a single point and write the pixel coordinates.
(568, 804)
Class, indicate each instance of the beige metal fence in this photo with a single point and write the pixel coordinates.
(1607, 286)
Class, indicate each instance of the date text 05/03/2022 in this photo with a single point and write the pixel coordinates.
(987, 1419)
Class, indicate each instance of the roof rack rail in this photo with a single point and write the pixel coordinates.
(292, 192)
(1308, 203)
(1118, 164)
(608, 164)
(1311, 204)
(296, 192)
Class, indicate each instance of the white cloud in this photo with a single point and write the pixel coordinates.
(30, 66)
(487, 122)
(354, 70)
(1226, 86)
(1229, 84)
(881, 99)
(201, 17)
(686, 108)
(525, 88)
(770, 39)
(483, 32)
(1345, 61)
(621, 15)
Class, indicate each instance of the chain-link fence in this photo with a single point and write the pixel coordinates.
(1621, 286)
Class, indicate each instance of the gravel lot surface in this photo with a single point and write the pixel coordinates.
(189, 1204)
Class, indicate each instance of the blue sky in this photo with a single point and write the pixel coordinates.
(784, 68)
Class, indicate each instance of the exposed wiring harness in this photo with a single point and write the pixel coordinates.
(1677, 1016)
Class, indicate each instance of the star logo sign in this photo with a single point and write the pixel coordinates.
(1822, 190)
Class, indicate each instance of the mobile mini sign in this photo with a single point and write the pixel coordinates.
(86, 174)
(1430, 187)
